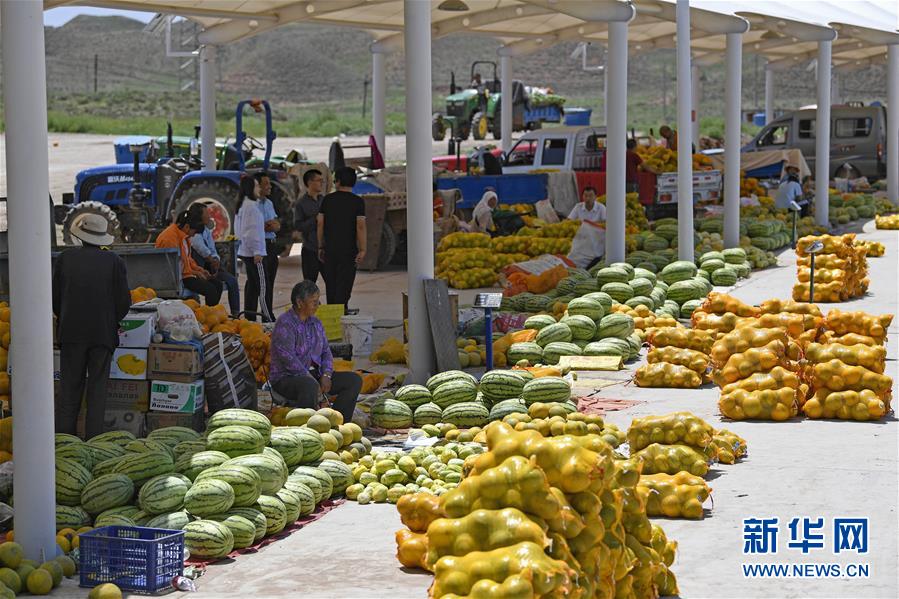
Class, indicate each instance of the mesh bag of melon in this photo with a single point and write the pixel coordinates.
(677, 428)
(835, 375)
(716, 323)
(727, 447)
(696, 361)
(694, 339)
(674, 496)
(861, 323)
(751, 361)
(667, 375)
(846, 405)
(768, 404)
(671, 459)
(721, 303)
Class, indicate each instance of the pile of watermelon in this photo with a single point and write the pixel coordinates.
(227, 488)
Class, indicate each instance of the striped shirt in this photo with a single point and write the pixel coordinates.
(297, 346)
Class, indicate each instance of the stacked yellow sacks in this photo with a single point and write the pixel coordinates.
(841, 269)
(888, 221)
(645, 319)
(677, 358)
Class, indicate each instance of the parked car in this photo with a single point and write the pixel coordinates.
(560, 148)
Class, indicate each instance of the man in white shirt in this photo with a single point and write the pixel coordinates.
(589, 209)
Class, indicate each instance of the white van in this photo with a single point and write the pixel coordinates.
(557, 148)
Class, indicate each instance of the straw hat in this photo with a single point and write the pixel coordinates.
(92, 229)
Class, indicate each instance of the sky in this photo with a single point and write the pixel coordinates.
(60, 16)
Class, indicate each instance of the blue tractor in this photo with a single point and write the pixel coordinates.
(139, 199)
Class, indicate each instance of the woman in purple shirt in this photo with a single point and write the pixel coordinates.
(302, 369)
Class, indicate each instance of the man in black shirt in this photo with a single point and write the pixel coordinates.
(305, 221)
(341, 237)
(90, 297)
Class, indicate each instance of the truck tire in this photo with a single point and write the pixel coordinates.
(388, 246)
(479, 125)
(113, 227)
(438, 127)
(221, 197)
(497, 125)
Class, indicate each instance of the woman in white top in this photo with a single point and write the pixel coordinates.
(249, 225)
(482, 215)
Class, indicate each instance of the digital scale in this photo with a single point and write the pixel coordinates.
(487, 302)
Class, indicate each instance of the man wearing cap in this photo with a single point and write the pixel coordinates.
(90, 297)
(790, 189)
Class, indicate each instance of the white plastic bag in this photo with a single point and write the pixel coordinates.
(177, 321)
(589, 243)
(545, 211)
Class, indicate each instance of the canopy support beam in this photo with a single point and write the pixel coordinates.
(207, 107)
(696, 96)
(684, 136)
(732, 111)
(892, 155)
(505, 124)
(822, 136)
(616, 137)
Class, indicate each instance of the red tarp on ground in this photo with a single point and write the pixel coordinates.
(646, 184)
(601, 405)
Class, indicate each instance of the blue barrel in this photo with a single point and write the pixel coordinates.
(578, 117)
(758, 119)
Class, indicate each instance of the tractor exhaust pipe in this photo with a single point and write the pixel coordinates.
(169, 144)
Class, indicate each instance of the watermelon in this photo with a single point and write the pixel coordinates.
(711, 265)
(71, 517)
(501, 384)
(242, 529)
(683, 291)
(538, 321)
(76, 452)
(240, 417)
(305, 493)
(680, 270)
(245, 482)
(611, 275)
(508, 406)
(171, 520)
(173, 435)
(446, 394)
(429, 413)
(313, 446)
(686, 311)
(340, 473)
(724, 276)
(586, 286)
(641, 286)
(734, 255)
(640, 300)
(188, 448)
(129, 511)
(141, 467)
(120, 438)
(644, 273)
(292, 504)
(114, 520)
(287, 443)
(615, 325)
(445, 377)
(582, 327)
(149, 446)
(654, 243)
(209, 496)
(100, 452)
(636, 343)
(585, 306)
(71, 478)
(466, 414)
(162, 494)
(106, 492)
(413, 395)
(253, 515)
(557, 349)
(546, 389)
(106, 466)
(60, 439)
(392, 414)
(275, 513)
(658, 296)
(235, 440)
(272, 473)
(318, 480)
(604, 299)
(620, 292)
(554, 332)
(604, 347)
(207, 539)
(525, 350)
(191, 465)
(646, 267)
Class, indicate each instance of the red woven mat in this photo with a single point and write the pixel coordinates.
(601, 405)
(323, 508)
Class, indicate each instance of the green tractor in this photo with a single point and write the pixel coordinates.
(475, 111)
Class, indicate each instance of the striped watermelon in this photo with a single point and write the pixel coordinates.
(554, 351)
(254, 516)
(501, 384)
(71, 478)
(141, 467)
(237, 416)
(340, 473)
(71, 517)
(275, 513)
(446, 394)
(734, 255)
(640, 300)
(626, 267)
(188, 448)
(585, 306)
(429, 413)
(466, 414)
(208, 539)
(129, 511)
(106, 492)
(641, 286)
(209, 496)
(611, 275)
(615, 325)
(683, 291)
(286, 441)
(242, 529)
(413, 395)
(313, 446)
(445, 377)
(620, 292)
(77, 452)
(538, 321)
(245, 482)
(604, 347)
(526, 350)
(114, 520)
(162, 494)
(324, 479)
(554, 332)
(636, 343)
(148, 446)
(104, 451)
(643, 273)
(546, 389)
(120, 438)
(173, 435)
(582, 327)
(235, 440)
(391, 414)
(681, 270)
(658, 296)
(292, 504)
(508, 406)
(60, 439)
(141, 518)
(586, 286)
(106, 466)
(305, 493)
(191, 465)
(270, 471)
(310, 481)
(171, 521)
(605, 300)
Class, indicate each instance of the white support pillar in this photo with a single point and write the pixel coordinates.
(28, 213)
(892, 154)
(379, 99)
(696, 90)
(769, 95)
(732, 142)
(207, 107)
(505, 124)
(684, 131)
(419, 221)
(605, 93)
(616, 138)
(822, 136)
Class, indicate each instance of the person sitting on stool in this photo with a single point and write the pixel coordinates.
(302, 369)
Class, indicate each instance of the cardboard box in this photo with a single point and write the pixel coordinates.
(137, 329)
(129, 363)
(176, 362)
(56, 361)
(128, 395)
(156, 420)
(116, 420)
(175, 396)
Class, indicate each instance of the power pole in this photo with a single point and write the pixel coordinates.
(96, 61)
(365, 84)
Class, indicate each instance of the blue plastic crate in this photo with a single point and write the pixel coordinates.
(137, 559)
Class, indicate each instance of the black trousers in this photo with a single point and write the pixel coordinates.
(305, 392)
(210, 289)
(339, 274)
(255, 289)
(271, 270)
(311, 265)
(76, 361)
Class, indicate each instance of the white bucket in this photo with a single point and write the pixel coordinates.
(357, 331)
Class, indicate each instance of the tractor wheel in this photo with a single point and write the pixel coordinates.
(221, 198)
(103, 210)
(479, 125)
(497, 125)
(438, 127)
(388, 246)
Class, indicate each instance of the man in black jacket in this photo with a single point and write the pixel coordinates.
(305, 215)
(90, 297)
